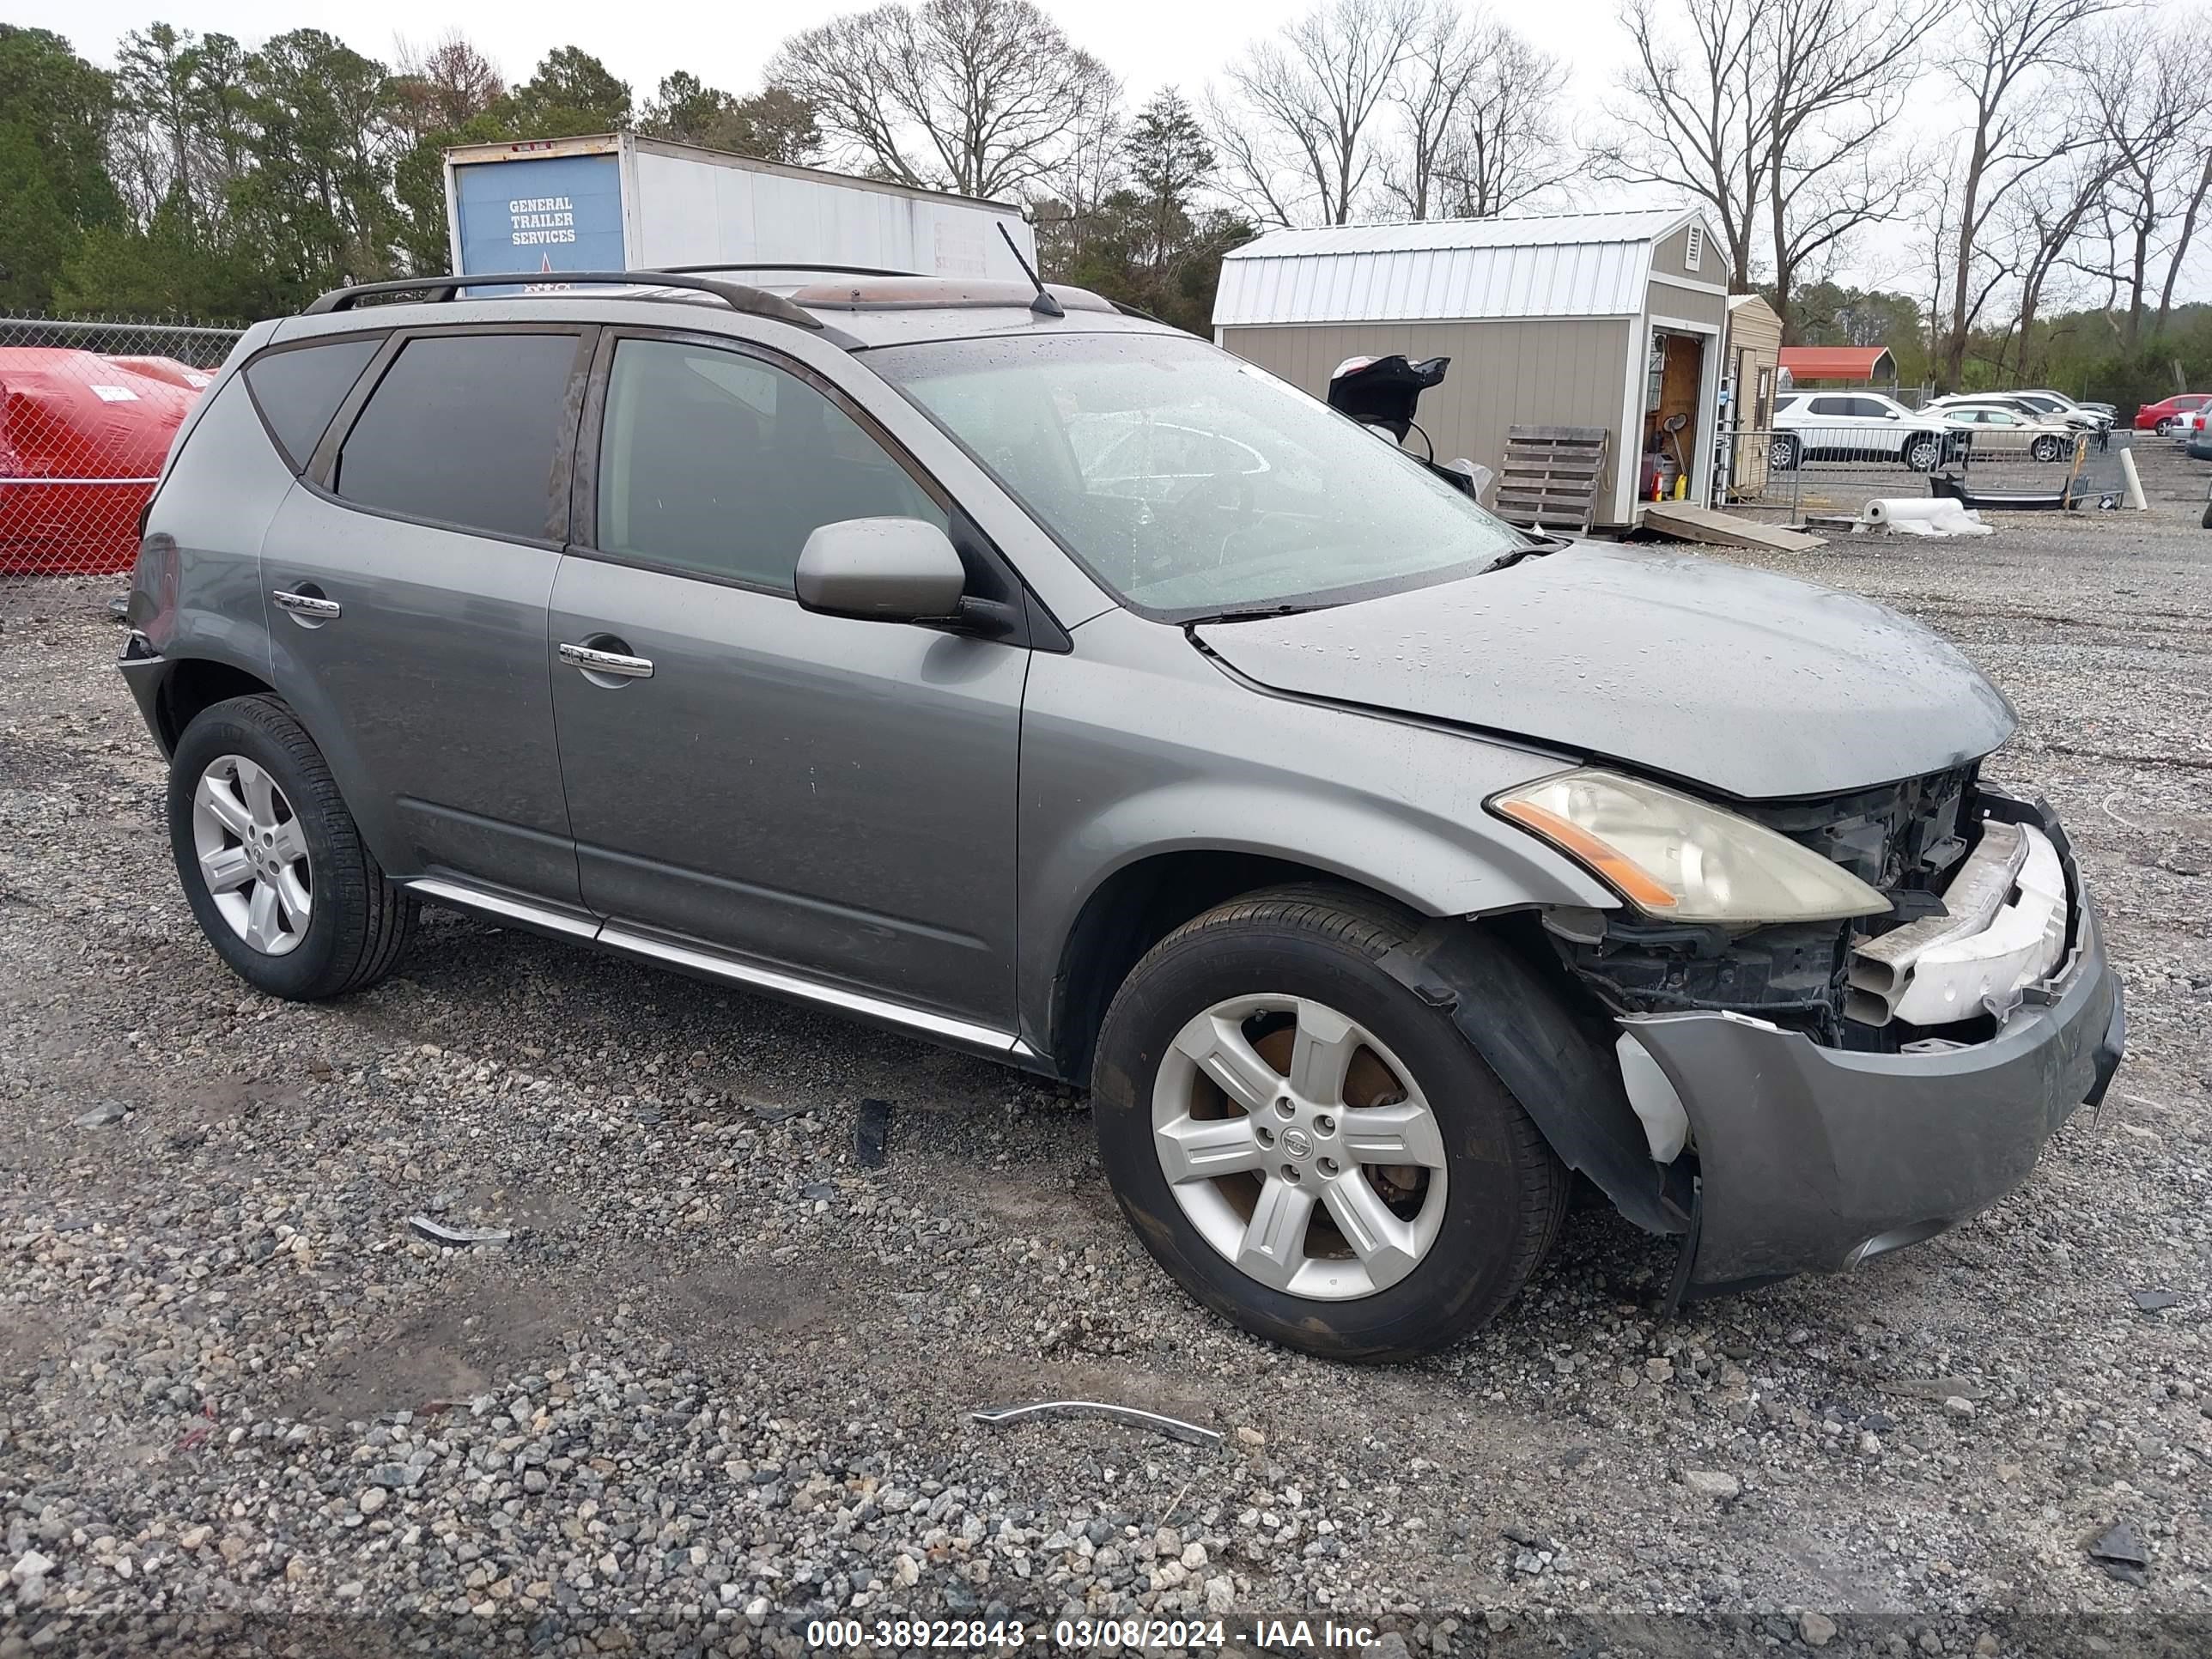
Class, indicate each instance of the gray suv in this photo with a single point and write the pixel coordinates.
(997, 667)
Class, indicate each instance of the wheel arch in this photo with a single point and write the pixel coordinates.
(195, 685)
(1136, 906)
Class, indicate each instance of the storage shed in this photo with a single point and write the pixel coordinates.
(1750, 379)
(1579, 319)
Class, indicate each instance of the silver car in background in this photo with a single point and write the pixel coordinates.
(991, 666)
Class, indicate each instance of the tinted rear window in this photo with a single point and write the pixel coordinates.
(465, 429)
(299, 390)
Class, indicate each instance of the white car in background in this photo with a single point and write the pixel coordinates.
(2048, 406)
(2058, 404)
(1999, 426)
(1856, 426)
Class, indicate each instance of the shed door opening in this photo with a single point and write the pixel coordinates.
(1673, 378)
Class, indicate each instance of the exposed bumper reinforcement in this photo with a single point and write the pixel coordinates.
(1814, 1159)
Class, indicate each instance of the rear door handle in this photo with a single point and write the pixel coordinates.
(610, 663)
(313, 607)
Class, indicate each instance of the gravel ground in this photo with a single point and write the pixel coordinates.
(718, 1383)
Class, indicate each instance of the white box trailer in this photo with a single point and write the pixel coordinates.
(617, 201)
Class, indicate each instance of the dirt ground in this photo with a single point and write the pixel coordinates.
(719, 1382)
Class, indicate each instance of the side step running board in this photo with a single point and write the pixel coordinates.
(714, 965)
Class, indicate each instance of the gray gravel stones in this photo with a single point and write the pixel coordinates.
(718, 1380)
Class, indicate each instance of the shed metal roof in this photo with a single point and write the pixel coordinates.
(1838, 362)
(1561, 264)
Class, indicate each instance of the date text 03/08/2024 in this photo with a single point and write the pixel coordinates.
(897, 1634)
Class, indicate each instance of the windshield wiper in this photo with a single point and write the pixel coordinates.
(1538, 546)
(1251, 613)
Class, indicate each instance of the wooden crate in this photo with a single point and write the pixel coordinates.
(1551, 476)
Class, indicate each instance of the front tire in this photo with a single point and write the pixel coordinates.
(2045, 449)
(1306, 1147)
(1923, 451)
(270, 861)
(1783, 453)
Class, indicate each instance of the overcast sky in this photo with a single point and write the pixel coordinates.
(1149, 43)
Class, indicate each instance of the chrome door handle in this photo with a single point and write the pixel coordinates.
(606, 662)
(308, 605)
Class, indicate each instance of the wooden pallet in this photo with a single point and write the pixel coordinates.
(1551, 476)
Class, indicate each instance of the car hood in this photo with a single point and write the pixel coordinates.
(1754, 685)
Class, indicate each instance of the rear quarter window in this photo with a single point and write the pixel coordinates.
(298, 388)
(466, 429)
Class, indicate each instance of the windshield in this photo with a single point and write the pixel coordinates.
(1189, 482)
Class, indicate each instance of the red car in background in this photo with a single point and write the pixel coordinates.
(2164, 416)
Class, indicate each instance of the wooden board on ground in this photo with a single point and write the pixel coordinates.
(1704, 524)
(1550, 475)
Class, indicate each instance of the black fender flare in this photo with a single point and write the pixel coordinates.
(1555, 1058)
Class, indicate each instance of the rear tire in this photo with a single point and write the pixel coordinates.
(1456, 1209)
(2164, 428)
(310, 914)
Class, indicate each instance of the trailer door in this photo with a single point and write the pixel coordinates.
(541, 214)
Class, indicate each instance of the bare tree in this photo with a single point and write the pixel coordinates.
(1069, 199)
(1774, 114)
(1477, 106)
(1503, 147)
(2044, 220)
(2000, 53)
(1434, 75)
(1838, 75)
(2198, 187)
(979, 96)
(443, 87)
(1694, 112)
(2147, 100)
(1300, 135)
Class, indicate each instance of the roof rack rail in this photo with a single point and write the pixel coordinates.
(438, 289)
(1146, 316)
(788, 264)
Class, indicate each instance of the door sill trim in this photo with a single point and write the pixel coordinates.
(499, 905)
(615, 937)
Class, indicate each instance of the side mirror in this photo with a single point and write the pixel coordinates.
(881, 570)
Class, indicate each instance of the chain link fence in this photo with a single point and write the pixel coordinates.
(88, 407)
(1805, 472)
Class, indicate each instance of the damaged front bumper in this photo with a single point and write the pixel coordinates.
(1811, 1158)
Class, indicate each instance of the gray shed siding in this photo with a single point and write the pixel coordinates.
(1564, 371)
(1669, 258)
(1689, 305)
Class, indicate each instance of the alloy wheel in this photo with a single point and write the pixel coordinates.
(1299, 1147)
(252, 854)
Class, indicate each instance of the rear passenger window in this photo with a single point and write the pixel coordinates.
(297, 390)
(465, 429)
(718, 463)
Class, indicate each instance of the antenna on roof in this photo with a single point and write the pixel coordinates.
(1044, 305)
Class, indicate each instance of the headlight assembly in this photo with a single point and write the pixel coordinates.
(1679, 859)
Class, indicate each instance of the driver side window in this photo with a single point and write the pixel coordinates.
(713, 463)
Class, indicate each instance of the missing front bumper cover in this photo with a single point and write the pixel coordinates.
(1811, 1158)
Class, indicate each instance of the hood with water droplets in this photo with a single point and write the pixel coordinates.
(1747, 683)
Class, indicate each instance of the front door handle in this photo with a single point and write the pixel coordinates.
(613, 664)
(310, 608)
